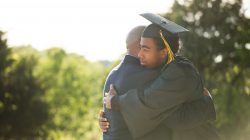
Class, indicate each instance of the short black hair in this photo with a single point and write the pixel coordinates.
(172, 41)
(153, 31)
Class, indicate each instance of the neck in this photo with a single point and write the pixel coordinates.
(132, 55)
(164, 64)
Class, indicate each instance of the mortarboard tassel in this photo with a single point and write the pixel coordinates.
(169, 51)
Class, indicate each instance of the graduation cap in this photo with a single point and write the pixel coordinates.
(165, 31)
(164, 23)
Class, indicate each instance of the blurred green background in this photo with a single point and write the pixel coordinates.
(56, 95)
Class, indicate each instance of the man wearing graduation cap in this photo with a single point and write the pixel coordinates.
(179, 83)
(130, 74)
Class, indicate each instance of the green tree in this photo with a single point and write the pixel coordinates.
(217, 44)
(22, 112)
(73, 91)
(5, 62)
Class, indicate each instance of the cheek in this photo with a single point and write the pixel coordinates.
(151, 57)
(156, 58)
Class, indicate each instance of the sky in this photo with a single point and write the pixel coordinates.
(96, 29)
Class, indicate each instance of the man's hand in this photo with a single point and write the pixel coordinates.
(206, 93)
(103, 122)
(109, 96)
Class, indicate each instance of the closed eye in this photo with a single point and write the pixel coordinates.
(145, 48)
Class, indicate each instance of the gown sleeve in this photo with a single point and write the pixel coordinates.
(144, 109)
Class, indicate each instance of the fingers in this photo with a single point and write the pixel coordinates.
(112, 90)
(101, 114)
(103, 119)
(104, 126)
(103, 122)
(104, 100)
(111, 87)
(106, 94)
(206, 92)
(108, 103)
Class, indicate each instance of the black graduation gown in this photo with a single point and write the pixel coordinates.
(145, 109)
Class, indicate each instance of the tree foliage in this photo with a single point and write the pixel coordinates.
(49, 94)
(218, 45)
(22, 110)
(73, 91)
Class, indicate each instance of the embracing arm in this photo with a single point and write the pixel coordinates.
(145, 109)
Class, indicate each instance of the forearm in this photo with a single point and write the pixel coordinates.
(139, 118)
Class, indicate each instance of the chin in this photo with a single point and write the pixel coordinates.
(143, 64)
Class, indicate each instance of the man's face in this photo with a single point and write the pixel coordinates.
(150, 56)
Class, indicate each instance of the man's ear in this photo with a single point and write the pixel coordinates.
(164, 53)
